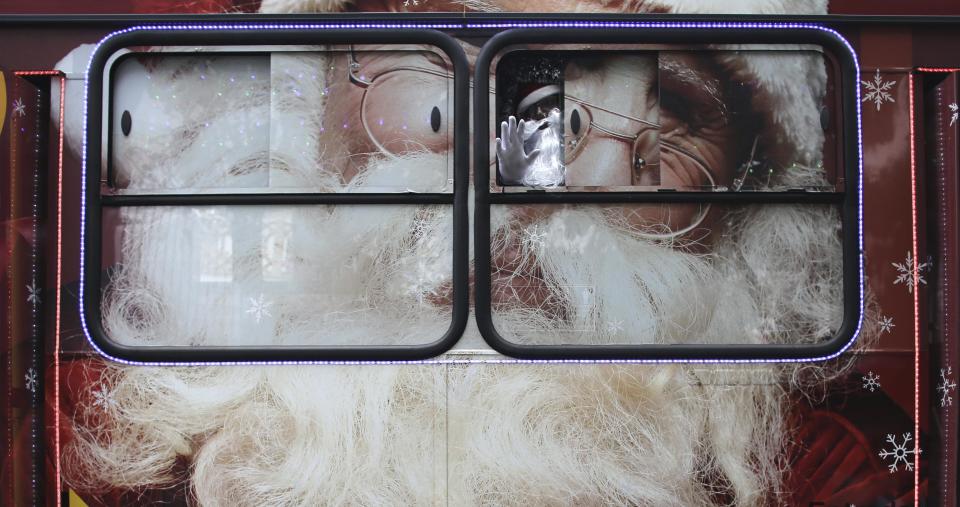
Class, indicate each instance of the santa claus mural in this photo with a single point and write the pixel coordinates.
(471, 429)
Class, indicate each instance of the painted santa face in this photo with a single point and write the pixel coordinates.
(408, 111)
(645, 121)
(403, 106)
(656, 435)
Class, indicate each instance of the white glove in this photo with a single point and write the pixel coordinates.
(514, 163)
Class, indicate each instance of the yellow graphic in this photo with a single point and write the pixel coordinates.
(75, 500)
(3, 101)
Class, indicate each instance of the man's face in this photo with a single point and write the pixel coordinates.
(696, 143)
(584, 274)
(407, 109)
(682, 91)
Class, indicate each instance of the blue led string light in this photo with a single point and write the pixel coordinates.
(486, 26)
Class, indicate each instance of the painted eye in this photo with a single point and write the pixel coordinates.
(126, 123)
(575, 122)
(404, 112)
(435, 119)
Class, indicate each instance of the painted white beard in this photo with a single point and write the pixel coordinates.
(619, 288)
(772, 275)
(477, 434)
(329, 275)
(350, 274)
(473, 434)
(414, 435)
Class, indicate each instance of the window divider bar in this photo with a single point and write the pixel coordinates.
(753, 197)
(273, 199)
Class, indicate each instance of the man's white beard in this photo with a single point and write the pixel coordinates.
(412, 435)
(771, 275)
(325, 275)
(464, 434)
(417, 434)
(366, 275)
(616, 287)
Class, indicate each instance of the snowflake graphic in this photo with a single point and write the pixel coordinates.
(615, 326)
(899, 452)
(878, 90)
(955, 113)
(103, 398)
(905, 272)
(886, 324)
(946, 385)
(19, 108)
(408, 3)
(871, 381)
(34, 293)
(259, 308)
(533, 238)
(30, 378)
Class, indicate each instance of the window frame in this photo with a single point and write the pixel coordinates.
(849, 200)
(213, 35)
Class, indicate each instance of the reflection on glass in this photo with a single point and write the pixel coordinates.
(339, 276)
(647, 119)
(277, 233)
(344, 119)
(212, 233)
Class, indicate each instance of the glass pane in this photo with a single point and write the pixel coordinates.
(666, 274)
(645, 117)
(211, 276)
(344, 119)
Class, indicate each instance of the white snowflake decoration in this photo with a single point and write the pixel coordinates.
(886, 324)
(615, 326)
(905, 272)
(34, 293)
(955, 113)
(30, 378)
(533, 238)
(899, 452)
(103, 398)
(878, 90)
(408, 3)
(19, 108)
(871, 381)
(946, 385)
(259, 308)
